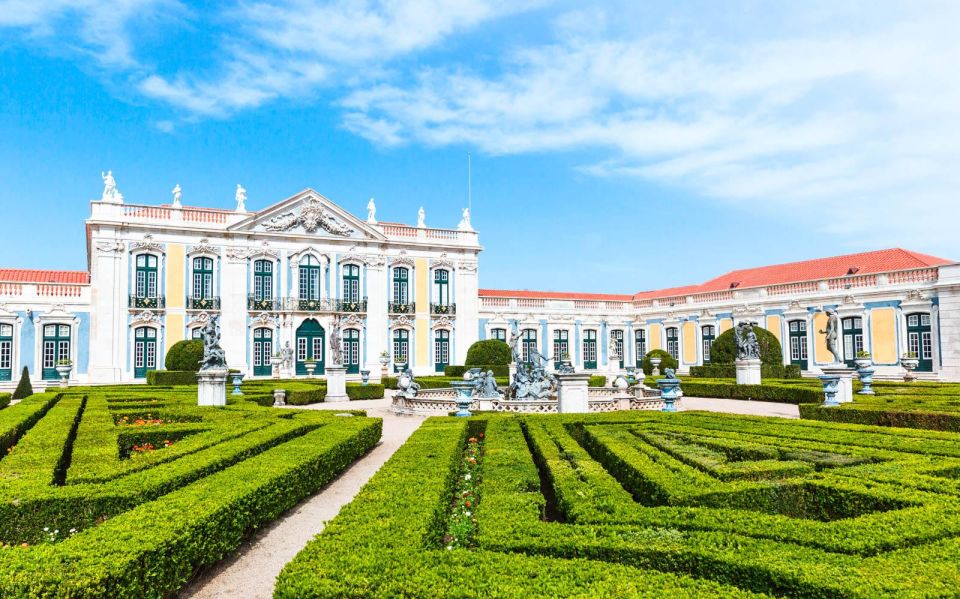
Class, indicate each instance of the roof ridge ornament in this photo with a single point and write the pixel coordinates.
(311, 216)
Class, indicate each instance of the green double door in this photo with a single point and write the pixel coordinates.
(311, 341)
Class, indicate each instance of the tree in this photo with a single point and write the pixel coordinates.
(185, 355)
(488, 352)
(24, 388)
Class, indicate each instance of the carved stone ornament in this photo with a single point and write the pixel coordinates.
(795, 305)
(353, 256)
(352, 320)
(402, 259)
(199, 318)
(108, 248)
(442, 262)
(706, 313)
(914, 295)
(401, 321)
(147, 316)
(203, 247)
(442, 322)
(311, 216)
(237, 254)
(465, 266)
(376, 261)
(848, 300)
(265, 318)
(148, 244)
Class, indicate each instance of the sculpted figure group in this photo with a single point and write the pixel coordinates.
(748, 347)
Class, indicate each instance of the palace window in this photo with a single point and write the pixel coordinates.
(262, 351)
(351, 350)
(673, 342)
(528, 344)
(852, 338)
(441, 284)
(561, 346)
(144, 351)
(499, 334)
(263, 280)
(146, 277)
(590, 349)
(309, 279)
(351, 283)
(441, 350)
(56, 347)
(401, 281)
(401, 346)
(798, 343)
(641, 340)
(617, 335)
(6, 352)
(709, 334)
(202, 278)
(920, 340)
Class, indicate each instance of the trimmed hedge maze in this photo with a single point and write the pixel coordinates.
(127, 492)
(648, 504)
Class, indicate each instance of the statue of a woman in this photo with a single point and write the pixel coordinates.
(372, 212)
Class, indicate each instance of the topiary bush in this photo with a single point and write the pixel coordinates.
(488, 352)
(171, 377)
(24, 388)
(729, 371)
(666, 361)
(459, 371)
(185, 355)
(724, 348)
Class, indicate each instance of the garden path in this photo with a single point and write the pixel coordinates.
(252, 570)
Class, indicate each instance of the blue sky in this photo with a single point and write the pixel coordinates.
(616, 148)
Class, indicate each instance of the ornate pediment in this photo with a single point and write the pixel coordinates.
(308, 213)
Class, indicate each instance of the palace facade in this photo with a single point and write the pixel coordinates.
(409, 294)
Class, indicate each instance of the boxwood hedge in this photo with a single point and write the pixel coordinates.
(651, 504)
(127, 491)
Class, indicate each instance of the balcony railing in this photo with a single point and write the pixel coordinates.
(327, 305)
(352, 306)
(203, 303)
(401, 307)
(147, 303)
(448, 309)
(267, 304)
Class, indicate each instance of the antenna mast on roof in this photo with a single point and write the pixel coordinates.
(469, 185)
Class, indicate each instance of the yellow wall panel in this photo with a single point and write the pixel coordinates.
(773, 325)
(422, 282)
(176, 297)
(654, 339)
(820, 352)
(883, 332)
(174, 330)
(689, 342)
(725, 325)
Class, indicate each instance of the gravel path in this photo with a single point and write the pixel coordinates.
(254, 567)
(251, 572)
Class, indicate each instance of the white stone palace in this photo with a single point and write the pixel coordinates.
(276, 278)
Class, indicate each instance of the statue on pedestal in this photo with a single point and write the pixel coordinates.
(214, 357)
(465, 221)
(532, 380)
(110, 191)
(485, 385)
(371, 212)
(614, 350)
(407, 387)
(832, 334)
(336, 343)
(241, 197)
(421, 218)
(748, 347)
(176, 195)
(287, 354)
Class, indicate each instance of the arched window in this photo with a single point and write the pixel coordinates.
(852, 339)
(499, 334)
(351, 283)
(56, 348)
(528, 344)
(144, 351)
(617, 336)
(441, 285)
(309, 279)
(262, 351)
(641, 339)
(709, 334)
(263, 280)
(798, 343)
(6, 352)
(561, 347)
(673, 342)
(590, 349)
(146, 276)
(441, 349)
(920, 340)
(401, 348)
(401, 281)
(351, 350)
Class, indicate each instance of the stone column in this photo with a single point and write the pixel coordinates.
(378, 333)
(212, 387)
(336, 384)
(466, 288)
(233, 311)
(845, 382)
(572, 393)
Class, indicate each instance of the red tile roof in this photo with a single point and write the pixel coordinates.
(793, 272)
(23, 275)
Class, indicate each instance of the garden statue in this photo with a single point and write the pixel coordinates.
(241, 197)
(485, 385)
(371, 212)
(748, 348)
(832, 334)
(532, 380)
(214, 357)
(336, 344)
(670, 373)
(513, 343)
(614, 349)
(110, 191)
(177, 192)
(407, 387)
(421, 218)
(287, 356)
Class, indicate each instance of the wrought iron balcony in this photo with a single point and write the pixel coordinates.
(447, 309)
(203, 303)
(401, 308)
(311, 305)
(352, 307)
(267, 304)
(147, 303)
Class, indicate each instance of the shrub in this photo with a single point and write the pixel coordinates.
(171, 377)
(597, 380)
(724, 348)
(4, 400)
(666, 361)
(24, 388)
(488, 351)
(459, 371)
(729, 371)
(185, 355)
(763, 392)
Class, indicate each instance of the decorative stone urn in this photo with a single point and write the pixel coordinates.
(237, 381)
(310, 367)
(863, 363)
(64, 370)
(655, 362)
(669, 392)
(279, 397)
(365, 377)
(866, 379)
(384, 362)
(831, 388)
(909, 365)
(464, 398)
(276, 362)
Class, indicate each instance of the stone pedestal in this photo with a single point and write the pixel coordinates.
(464, 399)
(845, 382)
(336, 384)
(279, 397)
(212, 387)
(572, 393)
(748, 372)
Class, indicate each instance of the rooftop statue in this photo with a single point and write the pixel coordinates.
(214, 357)
(465, 221)
(177, 192)
(748, 347)
(832, 334)
(371, 212)
(110, 191)
(241, 197)
(421, 218)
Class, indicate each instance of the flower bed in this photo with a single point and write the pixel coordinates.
(651, 504)
(90, 506)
